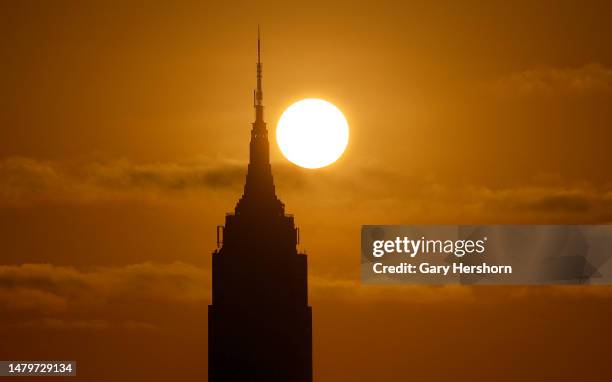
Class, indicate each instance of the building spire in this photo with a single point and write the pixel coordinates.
(259, 186)
(258, 101)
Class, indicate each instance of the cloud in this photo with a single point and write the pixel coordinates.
(336, 290)
(26, 180)
(31, 300)
(146, 297)
(567, 201)
(431, 200)
(165, 176)
(589, 79)
(584, 202)
(347, 290)
(572, 203)
(60, 324)
(30, 181)
(66, 297)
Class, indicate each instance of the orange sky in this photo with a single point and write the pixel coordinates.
(124, 138)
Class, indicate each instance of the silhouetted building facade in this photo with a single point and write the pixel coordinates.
(260, 324)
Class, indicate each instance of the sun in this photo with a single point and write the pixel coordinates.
(312, 133)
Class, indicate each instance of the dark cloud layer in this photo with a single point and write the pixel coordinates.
(24, 181)
(54, 296)
(58, 296)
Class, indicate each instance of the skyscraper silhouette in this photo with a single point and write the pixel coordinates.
(259, 323)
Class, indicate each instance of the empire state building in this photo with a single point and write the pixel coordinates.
(259, 322)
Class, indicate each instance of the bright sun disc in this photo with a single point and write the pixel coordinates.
(312, 133)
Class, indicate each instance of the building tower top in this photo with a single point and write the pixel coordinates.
(259, 196)
(258, 95)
